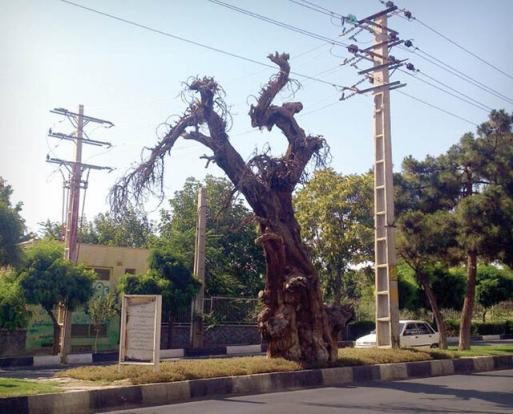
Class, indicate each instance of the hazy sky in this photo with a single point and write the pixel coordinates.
(57, 55)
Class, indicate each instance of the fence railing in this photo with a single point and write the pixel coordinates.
(219, 310)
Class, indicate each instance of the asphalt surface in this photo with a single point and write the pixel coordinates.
(483, 393)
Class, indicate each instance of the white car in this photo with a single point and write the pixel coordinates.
(411, 334)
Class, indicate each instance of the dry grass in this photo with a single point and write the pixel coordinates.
(351, 356)
(223, 367)
(183, 370)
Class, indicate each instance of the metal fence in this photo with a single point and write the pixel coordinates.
(225, 310)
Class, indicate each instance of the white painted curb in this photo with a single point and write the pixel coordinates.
(80, 358)
(491, 337)
(243, 349)
(172, 353)
(43, 360)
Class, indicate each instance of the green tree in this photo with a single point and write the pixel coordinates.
(335, 213)
(47, 280)
(169, 277)
(473, 184)
(494, 285)
(422, 241)
(132, 229)
(234, 263)
(13, 311)
(101, 309)
(12, 226)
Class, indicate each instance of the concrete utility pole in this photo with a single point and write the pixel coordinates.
(387, 298)
(199, 272)
(74, 184)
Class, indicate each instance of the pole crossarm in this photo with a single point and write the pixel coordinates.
(89, 141)
(85, 118)
(73, 163)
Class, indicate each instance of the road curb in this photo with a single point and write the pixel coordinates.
(81, 402)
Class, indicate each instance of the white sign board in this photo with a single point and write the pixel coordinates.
(139, 341)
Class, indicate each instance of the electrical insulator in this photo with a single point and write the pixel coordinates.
(392, 37)
(392, 59)
(352, 48)
(389, 4)
(408, 43)
(407, 14)
(410, 66)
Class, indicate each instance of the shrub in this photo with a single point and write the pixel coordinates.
(481, 328)
(13, 313)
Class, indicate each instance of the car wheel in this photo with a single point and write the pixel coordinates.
(434, 345)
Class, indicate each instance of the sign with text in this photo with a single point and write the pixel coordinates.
(139, 341)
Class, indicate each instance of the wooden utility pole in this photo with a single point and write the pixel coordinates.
(199, 272)
(74, 184)
(70, 238)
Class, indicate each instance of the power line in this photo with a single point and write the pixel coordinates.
(193, 42)
(469, 100)
(436, 107)
(462, 47)
(315, 7)
(459, 74)
(488, 108)
(280, 24)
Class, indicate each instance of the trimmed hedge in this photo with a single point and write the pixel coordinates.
(481, 328)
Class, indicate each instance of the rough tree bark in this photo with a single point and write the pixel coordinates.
(468, 304)
(437, 314)
(294, 321)
(56, 331)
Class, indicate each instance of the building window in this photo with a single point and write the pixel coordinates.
(102, 272)
(130, 271)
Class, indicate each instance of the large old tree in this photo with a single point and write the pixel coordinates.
(294, 321)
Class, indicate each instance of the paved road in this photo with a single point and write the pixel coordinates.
(483, 393)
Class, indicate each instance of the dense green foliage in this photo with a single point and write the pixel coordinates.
(13, 312)
(132, 229)
(494, 285)
(234, 263)
(47, 279)
(12, 226)
(336, 219)
(167, 276)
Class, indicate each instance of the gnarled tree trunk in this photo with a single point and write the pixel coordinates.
(295, 322)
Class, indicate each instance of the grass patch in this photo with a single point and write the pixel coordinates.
(484, 350)
(370, 356)
(183, 370)
(223, 367)
(12, 387)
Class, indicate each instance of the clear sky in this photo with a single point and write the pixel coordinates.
(57, 55)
